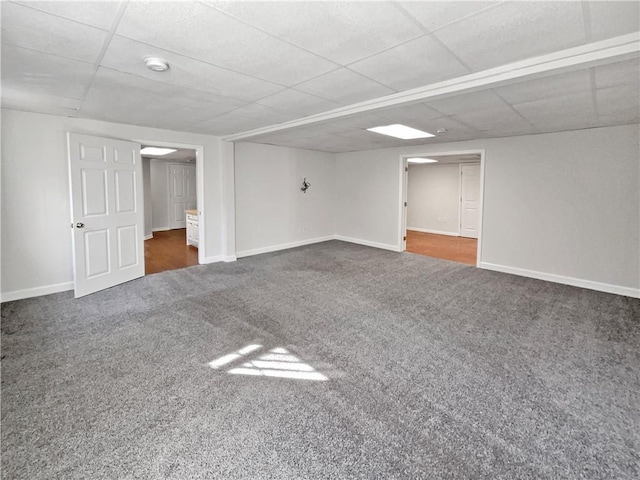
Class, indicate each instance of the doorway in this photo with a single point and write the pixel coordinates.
(170, 180)
(443, 209)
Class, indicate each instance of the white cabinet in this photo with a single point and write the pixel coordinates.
(192, 227)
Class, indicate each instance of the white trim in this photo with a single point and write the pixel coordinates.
(220, 258)
(148, 237)
(575, 282)
(229, 258)
(437, 232)
(199, 188)
(359, 241)
(591, 54)
(36, 292)
(161, 229)
(282, 246)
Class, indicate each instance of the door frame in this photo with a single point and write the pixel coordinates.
(199, 186)
(403, 187)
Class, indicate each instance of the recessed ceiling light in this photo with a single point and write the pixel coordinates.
(421, 160)
(400, 131)
(156, 64)
(157, 151)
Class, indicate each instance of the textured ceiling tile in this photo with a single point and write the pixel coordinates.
(226, 124)
(619, 73)
(19, 99)
(467, 102)
(341, 31)
(558, 110)
(123, 98)
(621, 100)
(515, 31)
(29, 28)
(403, 113)
(545, 87)
(38, 73)
(414, 64)
(344, 86)
(268, 115)
(128, 56)
(503, 118)
(299, 102)
(434, 15)
(95, 13)
(613, 18)
(203, 33)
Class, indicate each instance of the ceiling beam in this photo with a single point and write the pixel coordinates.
(584, 56)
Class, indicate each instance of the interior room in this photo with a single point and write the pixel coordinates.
(443, 206)
(308, 341)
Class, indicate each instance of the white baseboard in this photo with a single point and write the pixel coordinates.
(575, 282)
(36, 292)
(437, 232)
(229, 258)
(161, 229)
(282, 246)
(359, 241)
(214, 259)
(148, 237)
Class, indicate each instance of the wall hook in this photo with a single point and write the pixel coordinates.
(305, 185)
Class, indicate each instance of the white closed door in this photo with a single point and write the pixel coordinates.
(107, 212)
(182, 193)
(470, 200)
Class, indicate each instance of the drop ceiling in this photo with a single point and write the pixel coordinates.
(240, 66)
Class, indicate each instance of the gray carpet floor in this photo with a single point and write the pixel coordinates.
(435, 370)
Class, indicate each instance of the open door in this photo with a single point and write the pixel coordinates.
(107, 212)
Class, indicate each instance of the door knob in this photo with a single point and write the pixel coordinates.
(79, 225)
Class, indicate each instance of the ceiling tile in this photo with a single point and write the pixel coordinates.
(227, 123)
(344, 86)
(514, 31)
(620, 100)
(455, 129)
(19, 99)
(552, 86)
(28, 28)
(299, 102)
(468, 102)
(417, 111)
(564, 110)
(263, 114)
(619, 73)
(341, 31)
(124, 98)
(413, 64)
(503, 119)
(613, 18)
(128, 56)
(434, 15)
(218, 39)
(38, 73)
(98, 14)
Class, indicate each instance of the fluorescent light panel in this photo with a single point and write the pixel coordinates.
(421, 160)
(157, 151)
(400, 131)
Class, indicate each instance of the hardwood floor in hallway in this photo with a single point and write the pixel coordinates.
(457, 249)
(169, 251)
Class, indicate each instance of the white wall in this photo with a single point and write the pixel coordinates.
(36, 256)
(159, 195)
(146, 185)
(433, 197)
(561, 206)
(271, 211)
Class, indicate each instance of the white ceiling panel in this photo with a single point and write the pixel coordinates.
(38, 73)
(340, 31)
(468, 102)
(344, 86)
(434, 15)
(417, 111)
(620, 73)
(20, 99)
(128, 56)
(545, 112)
(514, 31)
(552, 86)
(198, 31)
(145, 102)
(263, 114)
(503, 118)
(95, 13)
(420, 62)
(613, 18)
(28, 28)
(622, 100)
(455, 129)
(298, 102)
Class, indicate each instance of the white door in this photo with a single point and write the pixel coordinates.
(470, 200)
(182, 192)
(107, 212)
